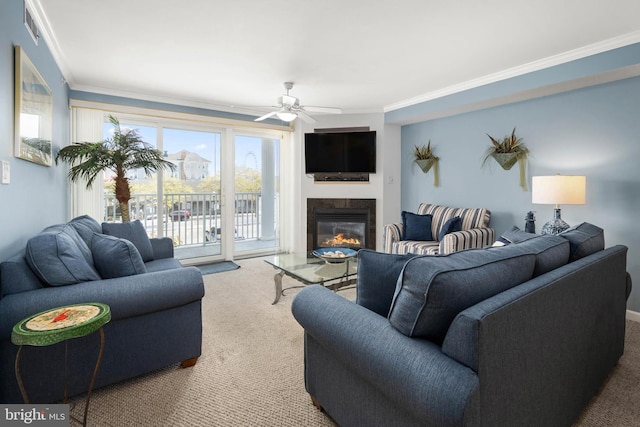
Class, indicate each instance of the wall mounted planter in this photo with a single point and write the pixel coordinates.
(427, 164)
(505, 160)
(507, 152)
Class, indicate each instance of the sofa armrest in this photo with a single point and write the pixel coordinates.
(411, 372)
(162, 247)
(126, 296)
(559, 332)
(467, 239)
(391, 233)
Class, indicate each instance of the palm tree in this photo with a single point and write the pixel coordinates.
(124, 152)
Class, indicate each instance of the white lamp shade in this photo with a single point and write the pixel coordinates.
(558, 190)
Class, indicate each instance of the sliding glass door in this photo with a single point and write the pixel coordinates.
(256, 193)
(223, 199)
(192, 193)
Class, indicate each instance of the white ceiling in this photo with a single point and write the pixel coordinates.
(358, 55)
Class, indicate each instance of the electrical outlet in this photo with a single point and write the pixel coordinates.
(6, 172)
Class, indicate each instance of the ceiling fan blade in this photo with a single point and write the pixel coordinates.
(304, 116)
(328, 110)
(266, 116)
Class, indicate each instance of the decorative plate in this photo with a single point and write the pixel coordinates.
(335, 255)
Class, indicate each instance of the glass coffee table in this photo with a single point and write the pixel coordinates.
(310, 271)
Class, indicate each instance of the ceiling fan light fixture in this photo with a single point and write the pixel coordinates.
(286, 116)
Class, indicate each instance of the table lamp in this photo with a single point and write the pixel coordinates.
(558, 190)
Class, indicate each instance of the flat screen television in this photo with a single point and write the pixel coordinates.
(341, 152)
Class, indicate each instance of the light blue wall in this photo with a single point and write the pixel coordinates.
(38, 195)
(593, 131)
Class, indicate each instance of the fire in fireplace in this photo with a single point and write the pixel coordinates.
(342, 227)
(340, 240)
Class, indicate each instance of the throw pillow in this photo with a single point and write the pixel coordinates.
(452, 224)
(135, 233)
(378, 273)
(416, 227)
(86, 226)
(115, 257)
(431, 291)
(54, 256)
(584, 240)
(513, 235)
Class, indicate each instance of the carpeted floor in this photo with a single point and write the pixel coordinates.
(251, 369)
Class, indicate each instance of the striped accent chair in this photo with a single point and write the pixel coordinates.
(475, 232)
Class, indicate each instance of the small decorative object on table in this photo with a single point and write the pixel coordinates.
(335, 255)
(530, 223)
(61, 324)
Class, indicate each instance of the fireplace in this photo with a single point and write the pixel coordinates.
(341, 223)
(341, 228)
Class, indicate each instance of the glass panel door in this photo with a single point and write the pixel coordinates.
(256, 197)
(192, 193)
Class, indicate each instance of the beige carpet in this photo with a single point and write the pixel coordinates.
(251, 369)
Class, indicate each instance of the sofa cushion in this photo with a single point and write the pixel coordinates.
(416, 227)
(431, 291)
(584, 240)
(550, 251)
(115, 257)
(427, 247)
(85, 226)
(377, 277)
(55, 257)
(452, 224)
(471, 217)
(134, 232)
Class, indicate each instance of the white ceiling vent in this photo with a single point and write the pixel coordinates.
(30, 23)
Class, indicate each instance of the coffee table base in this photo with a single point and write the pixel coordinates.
(277, 279)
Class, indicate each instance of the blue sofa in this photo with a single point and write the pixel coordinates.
(155, 306)
(519, 335)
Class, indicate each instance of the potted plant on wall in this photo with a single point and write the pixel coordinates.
(423, 156)
(124, 152)
(507, 152)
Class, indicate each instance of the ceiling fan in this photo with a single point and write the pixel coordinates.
(288, 108)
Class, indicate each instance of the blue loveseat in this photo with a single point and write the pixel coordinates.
(520, 335)
(155, 306)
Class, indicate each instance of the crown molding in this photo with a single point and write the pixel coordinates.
(525, 95)
(572, 55)
(50, 39)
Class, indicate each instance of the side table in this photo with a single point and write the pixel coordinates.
(61, 324)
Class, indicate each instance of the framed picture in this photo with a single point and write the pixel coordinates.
(33, 112)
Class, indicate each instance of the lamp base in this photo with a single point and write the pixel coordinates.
(556, 226)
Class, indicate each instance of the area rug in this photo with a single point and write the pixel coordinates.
(218, 267)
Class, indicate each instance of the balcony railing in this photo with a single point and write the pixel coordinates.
(192, 218)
